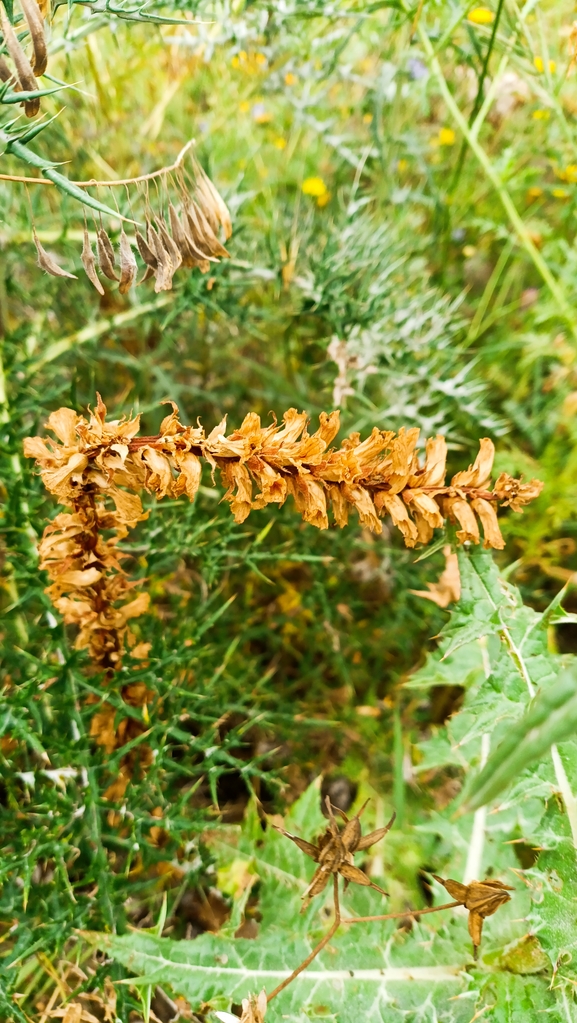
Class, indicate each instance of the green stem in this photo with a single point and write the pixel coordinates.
(17, 148)
(495, 179)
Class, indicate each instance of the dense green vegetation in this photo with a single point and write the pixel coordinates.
(401, 181)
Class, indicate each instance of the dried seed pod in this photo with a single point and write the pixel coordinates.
(106, 255)
(146, 253)
(148, 273)
(168, 243)
(191, 256)
(212, 202)
(36, 27)
(194, 234)
(45, 262)
(128, 265)
(165, 268)
(6, 75)
(21, 63)
(206, 236)
(88, 262)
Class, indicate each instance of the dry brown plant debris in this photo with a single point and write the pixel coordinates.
(480, 898)
(26, 71)
(335, 850)
(98, 469)
(188, 238)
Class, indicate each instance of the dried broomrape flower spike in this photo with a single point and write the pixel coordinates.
(481, 899)
(94, 461)
(335, 850)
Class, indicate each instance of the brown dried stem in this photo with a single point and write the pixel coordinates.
(318, 948)
(93, 183)
(399, 916)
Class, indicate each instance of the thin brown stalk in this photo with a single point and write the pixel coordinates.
(93, 183)
(318, 948)
(399, 916)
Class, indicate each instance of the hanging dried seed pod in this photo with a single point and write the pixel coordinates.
(191, 256)
(213, 204)
(21, 63)
(36, 27)
(106, 255)
(168, 243)
(146, 253)
(128, 266)
(88, 262)
(148, 273)
(165, 268)
(45, 262)
(207, 239)
(194, 235)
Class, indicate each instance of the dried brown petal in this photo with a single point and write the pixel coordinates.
(36, 27)
(169, 244)
(88, 262)
(165, 268)
(106, 255)
(462, 511)
(448, 588)
(45, 262)
(128, 266)
(488, 516)
(477, 475)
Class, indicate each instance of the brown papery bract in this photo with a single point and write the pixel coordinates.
(98, 468)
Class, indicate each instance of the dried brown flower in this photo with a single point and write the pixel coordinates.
(335, 850)
(24, 70)
(106, 255)
(95, 461)
(481, 898)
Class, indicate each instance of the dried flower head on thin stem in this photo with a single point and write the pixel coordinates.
(480, 898)
(335, 850)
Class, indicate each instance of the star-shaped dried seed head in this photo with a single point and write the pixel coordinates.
(481, 898)
(335, 850)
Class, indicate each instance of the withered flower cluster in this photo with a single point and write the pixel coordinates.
(480, 898)
(26, 71)
(188, 238)
(98, 469)
(335, 850)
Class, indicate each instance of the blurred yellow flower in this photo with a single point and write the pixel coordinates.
(570, 173)
(260, 59)
(244, 107)
(538, 62)
(323, 199)
(402, 166)
(367, 118)
(534, 192)
(290, 79)
(447, 137)
(481, 16)
(560, 193)
(280, 143)
(315, 187)
(541, 115)
(235, 61)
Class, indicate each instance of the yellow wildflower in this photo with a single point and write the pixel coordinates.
(323, 199)
(367, 118)
(315, 187)
(541, 115)
(447, 137)
(290, 79)
(260, 59)
(534, 192)
(244, 107)
(540, 66)
(481, 16)
(560, 193)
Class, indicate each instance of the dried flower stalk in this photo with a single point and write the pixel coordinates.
(93, 462)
